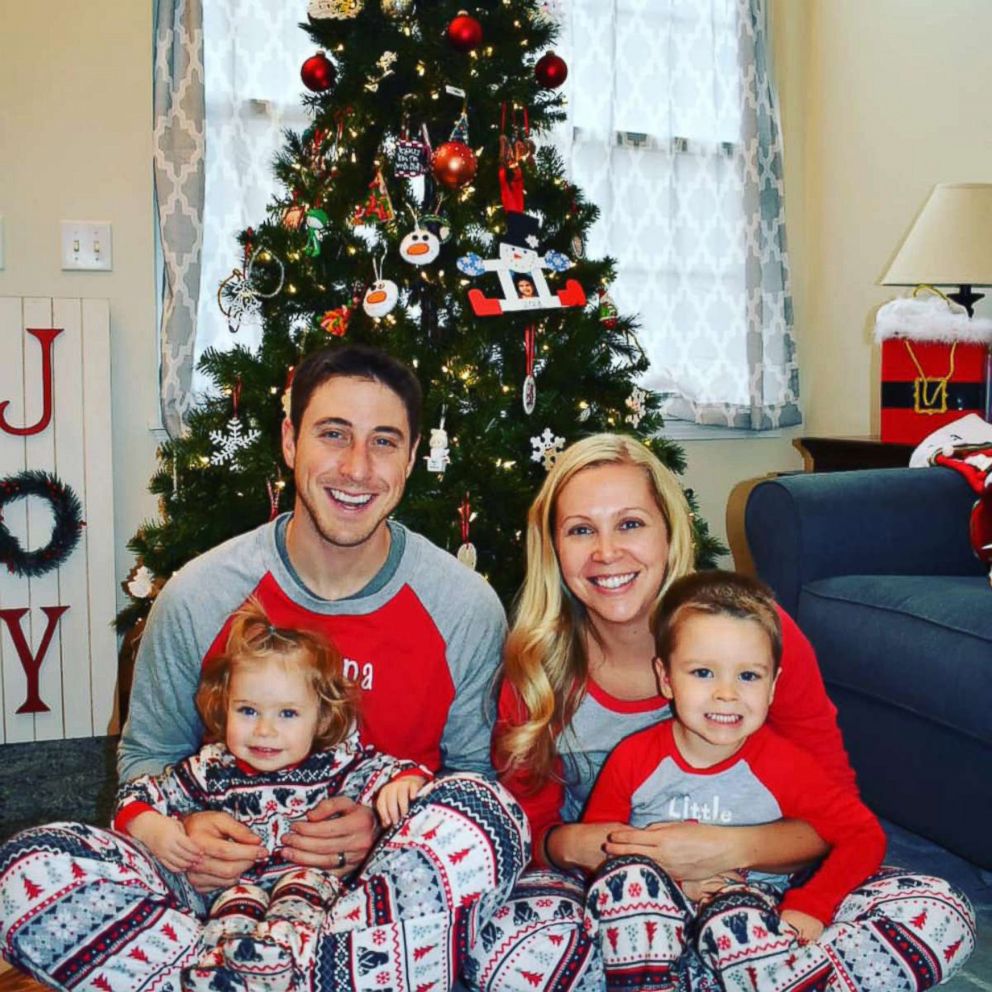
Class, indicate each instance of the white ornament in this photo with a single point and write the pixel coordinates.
(467, 555)
(337, 10)
(546, 447)
(439, 458)
(385, 66)
(396, 8)
(420, 246)
(381, 296)
(140, 586)
(529, 395)
(635, 403)
(231, 441)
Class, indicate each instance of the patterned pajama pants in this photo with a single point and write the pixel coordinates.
(634, 930)
(88, 909)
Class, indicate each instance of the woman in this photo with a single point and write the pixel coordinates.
(608, 532)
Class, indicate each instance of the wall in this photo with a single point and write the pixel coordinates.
(76, 144)
(880, 100)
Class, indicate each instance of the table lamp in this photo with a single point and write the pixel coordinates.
(949, 243)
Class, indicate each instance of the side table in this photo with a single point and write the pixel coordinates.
(843, 454)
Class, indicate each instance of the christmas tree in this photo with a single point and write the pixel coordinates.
(421, 213)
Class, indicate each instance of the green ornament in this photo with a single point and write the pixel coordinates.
(316, 224)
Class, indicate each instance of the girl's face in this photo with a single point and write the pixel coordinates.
(612, 543)
(272, 714)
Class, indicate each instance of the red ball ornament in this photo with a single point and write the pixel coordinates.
(454, 164)
(551, 71)
(464, 32)
(318, 73)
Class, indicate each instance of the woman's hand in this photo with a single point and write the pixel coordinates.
(698, 851)
(578, 845)
(807, 927)
(166, 839)
(394, 798)
(703, 890)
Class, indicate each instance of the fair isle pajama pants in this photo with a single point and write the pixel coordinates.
(85, 908)
(633, 930)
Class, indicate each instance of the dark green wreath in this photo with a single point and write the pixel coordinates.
(66, 509)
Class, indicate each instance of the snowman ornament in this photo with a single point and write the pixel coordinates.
(420, 246)
(381, 296)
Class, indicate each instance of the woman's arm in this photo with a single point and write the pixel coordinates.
(577, 845)
(698, 851)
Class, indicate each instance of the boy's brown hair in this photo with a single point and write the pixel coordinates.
(254, 638)
(716, 593)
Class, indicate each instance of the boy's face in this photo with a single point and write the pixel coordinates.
(721, 680)
(272, 715)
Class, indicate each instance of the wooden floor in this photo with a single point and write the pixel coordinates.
(12, 980)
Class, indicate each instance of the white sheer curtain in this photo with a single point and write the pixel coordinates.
(672, 132)
(252, 53)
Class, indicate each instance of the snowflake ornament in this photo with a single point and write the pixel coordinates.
(546, 447)
(635, 403)
(231, 441)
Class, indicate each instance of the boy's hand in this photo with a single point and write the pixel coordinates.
(394, 798)
(807, 927)
(166, 839)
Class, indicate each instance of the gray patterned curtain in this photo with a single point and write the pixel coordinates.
(179, 183)
(673, 132)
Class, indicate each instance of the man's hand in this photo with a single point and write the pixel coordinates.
(336, 835)
(807, 927)
(394, 798)
(166, 839)
(228, 849)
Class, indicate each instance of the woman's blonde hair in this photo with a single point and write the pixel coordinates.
(253, 638)
(545, 659)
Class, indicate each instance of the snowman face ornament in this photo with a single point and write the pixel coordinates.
(381, 297)
(420, 246)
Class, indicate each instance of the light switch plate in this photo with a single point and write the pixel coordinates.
(86, 244)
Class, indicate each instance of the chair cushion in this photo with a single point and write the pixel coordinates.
(928, 638)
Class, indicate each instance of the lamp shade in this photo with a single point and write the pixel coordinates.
(950, 243)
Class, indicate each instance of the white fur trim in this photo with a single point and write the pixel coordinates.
(930, 319)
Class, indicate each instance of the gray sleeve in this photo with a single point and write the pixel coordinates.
(474, 628)
(162, 725)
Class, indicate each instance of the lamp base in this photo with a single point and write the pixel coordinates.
(967, 298)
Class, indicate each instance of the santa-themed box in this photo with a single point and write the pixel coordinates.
(935, 366)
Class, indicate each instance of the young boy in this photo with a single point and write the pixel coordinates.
(718, 642)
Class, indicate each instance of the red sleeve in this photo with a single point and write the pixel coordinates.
(802, 712)
(857, 843)
(541, 805)
(625, 770)
(129, 812)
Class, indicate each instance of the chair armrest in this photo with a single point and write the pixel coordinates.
(877, 522)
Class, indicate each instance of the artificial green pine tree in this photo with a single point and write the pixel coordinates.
(400, 72)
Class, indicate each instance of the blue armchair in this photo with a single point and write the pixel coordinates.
(877, 569)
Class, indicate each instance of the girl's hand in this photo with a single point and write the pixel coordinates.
(394, 798)
(807, 927)
(166, 839)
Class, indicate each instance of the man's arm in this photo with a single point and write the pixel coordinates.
(163, 726)
(474, 645)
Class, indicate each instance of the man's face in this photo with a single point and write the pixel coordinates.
(351, 459)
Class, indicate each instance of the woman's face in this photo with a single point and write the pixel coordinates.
(612, 542)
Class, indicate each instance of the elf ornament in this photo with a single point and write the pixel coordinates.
(519, 268)
(466, 552)
(608, 313)
(316, 222)
(318, 73)
(464, 33)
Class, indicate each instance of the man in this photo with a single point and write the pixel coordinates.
(420, 634)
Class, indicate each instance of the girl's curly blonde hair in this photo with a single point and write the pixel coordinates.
(253, 638)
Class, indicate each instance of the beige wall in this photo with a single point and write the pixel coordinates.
(76, 144)
(880, 100)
